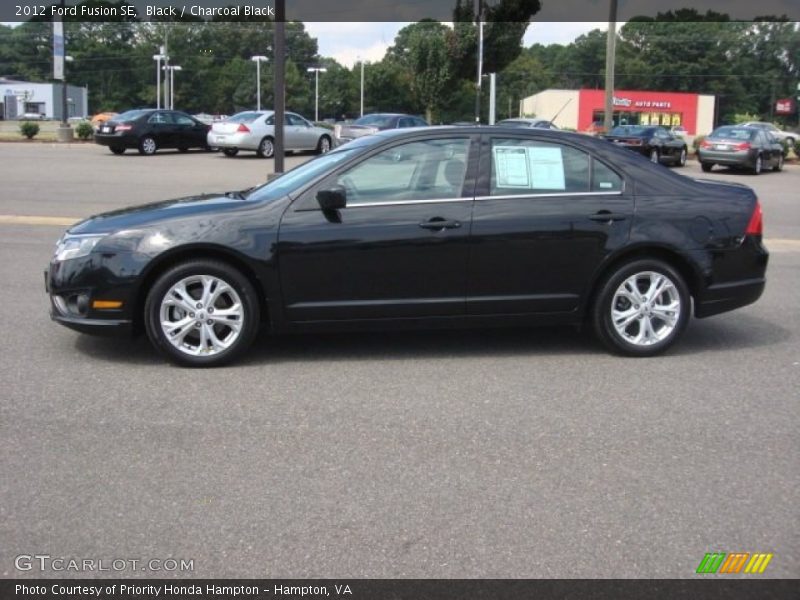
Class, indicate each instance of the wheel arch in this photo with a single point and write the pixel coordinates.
(169, 259)
(690, 273)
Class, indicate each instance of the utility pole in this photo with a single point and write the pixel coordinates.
(492, 99)
(280, 81)
(611, 45)
(316, 71)
(362, 88)
(479, 20)
(166, 65)
(258, 60)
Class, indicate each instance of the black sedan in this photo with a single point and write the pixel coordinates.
(441, 227)
(656, 143)
(741, 147)
(149, 130)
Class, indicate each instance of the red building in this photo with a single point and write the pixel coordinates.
(579, 109)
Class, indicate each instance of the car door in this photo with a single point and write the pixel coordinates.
(291, 133)
(398, 249)
(546, 215)
(189, 133)
(306, 133)
(162, 128)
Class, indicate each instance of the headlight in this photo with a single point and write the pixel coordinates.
(75, 246)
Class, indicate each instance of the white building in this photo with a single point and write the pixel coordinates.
(19, 97)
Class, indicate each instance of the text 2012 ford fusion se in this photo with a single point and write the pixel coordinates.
(433, 227)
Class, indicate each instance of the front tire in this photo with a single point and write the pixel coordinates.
(682, 157)
(148, 145)
(706, 166)
(654, 155)
(202, 313)
(266, 149)
(778, 165)
(324, 145)
(641, 308)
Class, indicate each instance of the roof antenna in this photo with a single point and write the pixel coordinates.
(560, 109)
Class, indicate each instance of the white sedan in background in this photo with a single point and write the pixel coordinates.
(255, 131)
(769, 127)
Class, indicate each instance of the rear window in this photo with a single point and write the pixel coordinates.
(733, 133)
(244, 117)
(380, 121)
(131, 115)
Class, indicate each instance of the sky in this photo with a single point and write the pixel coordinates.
(347, 42)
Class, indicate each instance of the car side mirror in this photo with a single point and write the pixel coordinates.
(333, 198)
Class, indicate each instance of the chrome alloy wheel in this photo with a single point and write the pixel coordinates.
(201, 315)
(646, 308)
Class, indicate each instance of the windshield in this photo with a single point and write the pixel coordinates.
(131, 115)
(379, 121)
(244, 117)
(632, 130)
(733, 133)
(303, 174)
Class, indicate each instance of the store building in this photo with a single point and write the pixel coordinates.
(580, 109)
(20, 97)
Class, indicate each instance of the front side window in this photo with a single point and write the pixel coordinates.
(184, 120)
(424, 170)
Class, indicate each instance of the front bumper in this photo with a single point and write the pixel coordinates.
(74, 286)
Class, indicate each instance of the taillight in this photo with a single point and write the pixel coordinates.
(756, 224)
(243, 128)
(742, 146)
(706, 144)
(123, 127)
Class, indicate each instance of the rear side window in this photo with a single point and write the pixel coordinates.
(160, 118)
(244, 117)
(526, 167)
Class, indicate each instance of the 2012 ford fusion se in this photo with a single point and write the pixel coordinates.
(433, 227)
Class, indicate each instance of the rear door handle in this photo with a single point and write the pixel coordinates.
(438, 224)
(605, 216)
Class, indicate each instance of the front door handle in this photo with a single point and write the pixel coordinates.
(438, 224)
(605, 216)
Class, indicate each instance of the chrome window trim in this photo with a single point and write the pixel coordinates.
(546, 195)
(403, 202)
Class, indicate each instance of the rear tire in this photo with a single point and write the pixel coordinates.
(779, 165)
(758, 166)
(706, 167)
(202, 313)
(117, 150)
(183, 149)
(230, 151)
(641, 308)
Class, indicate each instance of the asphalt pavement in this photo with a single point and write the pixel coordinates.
(501, 453)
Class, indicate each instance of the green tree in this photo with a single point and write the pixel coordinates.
(430, 74)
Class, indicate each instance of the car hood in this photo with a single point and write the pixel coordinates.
(148, 214)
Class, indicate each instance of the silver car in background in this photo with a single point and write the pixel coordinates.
(369, 124)
(255, 131)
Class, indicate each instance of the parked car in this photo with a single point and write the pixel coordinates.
(528, 122)
(656, 143)
(149, 130)
(742, 147)
(787, 136)
(369, 124)
(32, 116)
(595, 128)
(255, 131)
(404, 228)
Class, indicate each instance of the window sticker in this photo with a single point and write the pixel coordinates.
(537, 168)
(511, 165)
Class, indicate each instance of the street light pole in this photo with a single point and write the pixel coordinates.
(158, 57)
(258, 60)
(317, 71)
(172, 69)
(362, 88)
(479, 18)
